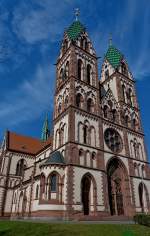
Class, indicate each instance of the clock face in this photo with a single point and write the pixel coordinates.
(113, 140)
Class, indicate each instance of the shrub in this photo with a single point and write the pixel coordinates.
(142, 219)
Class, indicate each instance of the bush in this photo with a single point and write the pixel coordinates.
(142, 219)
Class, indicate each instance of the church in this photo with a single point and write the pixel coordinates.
(94, 164)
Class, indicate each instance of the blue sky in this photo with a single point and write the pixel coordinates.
(30, 38)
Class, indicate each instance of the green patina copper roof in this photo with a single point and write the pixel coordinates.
(75, 30)
(114, 56)
(55, 158)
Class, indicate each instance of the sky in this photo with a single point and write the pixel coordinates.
(30, 37)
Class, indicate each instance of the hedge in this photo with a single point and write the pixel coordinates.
(142, 219)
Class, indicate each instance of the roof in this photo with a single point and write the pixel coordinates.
(25, 144)
(75, 30)
(55, 158)
(114, 56)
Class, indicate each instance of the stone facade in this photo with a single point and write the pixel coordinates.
(95, 164)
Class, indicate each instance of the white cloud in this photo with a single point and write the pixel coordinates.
(29, 100)
(42, 23)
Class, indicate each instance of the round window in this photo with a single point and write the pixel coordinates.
(113, 140)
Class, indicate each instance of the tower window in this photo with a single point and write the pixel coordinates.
(123, 92)
(79, 100)
(67, 70)
(80, 69)
(123, 68)
(134, 123)
(126, 119)
(89, 74)
(114, 115)
(105, 111)
(59, 108)
(85, 133)
(107, 74)
(89, 105)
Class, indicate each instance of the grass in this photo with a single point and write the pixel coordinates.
(14, 228)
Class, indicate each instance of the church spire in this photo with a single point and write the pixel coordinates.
(45, 129)
(77, 13)
(110, 40)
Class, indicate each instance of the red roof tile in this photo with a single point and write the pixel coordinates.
(25, 144)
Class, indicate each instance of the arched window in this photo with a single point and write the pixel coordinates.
(42, 186)
(61, 74)
(129, 96)
(107, 74)
(133, 123)
(85, 134)
(37, 192)
(20, 167)
(53, 182)
(88, 74)
(123, 68)
(114, 115)
(80, 68)
(86, 46)
(89, 105)
(65, 45)
(136, 169)
(135, 149)
(79, 100)
(59, 108)
(123, 92)
(67, 70)
(66, 101)
(126, 120)
(81, 157)
(105, 111)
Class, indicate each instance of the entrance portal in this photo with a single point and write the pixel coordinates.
(85, 190)
(116, 179)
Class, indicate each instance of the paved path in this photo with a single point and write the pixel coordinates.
(74, 222)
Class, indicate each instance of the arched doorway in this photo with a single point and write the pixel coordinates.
(118, 188)
(143, 197)
(85, 191)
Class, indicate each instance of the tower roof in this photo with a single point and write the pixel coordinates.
(114, 56)
(75, 29)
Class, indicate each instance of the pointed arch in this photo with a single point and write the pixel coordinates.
(88, 193)
(90, 105)
(79, 100)
(80, 69)
(42, 186)
(118, 187)
(89, 74)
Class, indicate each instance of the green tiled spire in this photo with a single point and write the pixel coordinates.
(75, 30)
(114, 56)
(45, 129)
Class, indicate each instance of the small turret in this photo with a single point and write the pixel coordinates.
(45, 130)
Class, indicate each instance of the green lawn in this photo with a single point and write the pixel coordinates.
(13, 228)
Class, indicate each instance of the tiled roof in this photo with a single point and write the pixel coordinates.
(25, 144)
(55, 158)
(75, 30)
(114, 56)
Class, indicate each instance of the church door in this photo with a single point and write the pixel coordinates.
(85, 189)
(115, 185)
